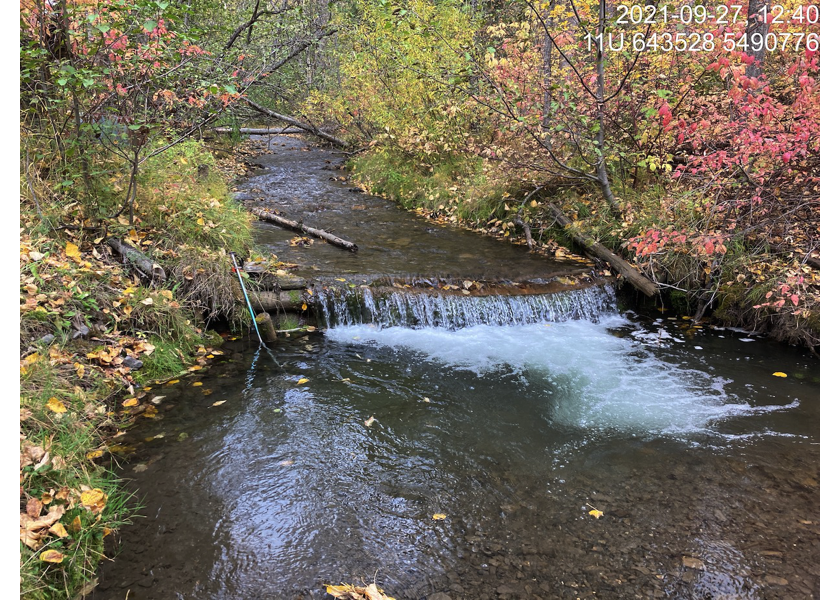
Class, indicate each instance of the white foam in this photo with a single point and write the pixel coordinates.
(601, 381)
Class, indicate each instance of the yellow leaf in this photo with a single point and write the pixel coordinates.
(779, 374)
(219, 403)
(94, 454)
(52, 556)
(197, 384)
(173, 382)
(303, 306)
(130, 402)
(56, 405)
(340, 279)
(339, 590)
(59, 530)
(72, 250)
(200, 221)
(94, 500)
(76, 525)
(596, 513)
(302, 380)
(438, 516)
(80, 370)
(195, 368)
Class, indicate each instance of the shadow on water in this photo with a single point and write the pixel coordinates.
(327, 460)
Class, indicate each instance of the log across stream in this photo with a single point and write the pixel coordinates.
(525, 446)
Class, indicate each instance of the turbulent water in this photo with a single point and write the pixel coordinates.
(479, 447)
(454, 311)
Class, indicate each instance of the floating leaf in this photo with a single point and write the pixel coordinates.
(302, 380)
(196, 367)
(173, 382)
(197, 384)
(52, 556)
(438, 516)
(779, 374)
(596, 513)
(56, 405)
(130, 402)
(370, 421)
(219, 403)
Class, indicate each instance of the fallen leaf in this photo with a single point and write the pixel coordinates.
(438, 516)
(72, 250)
(779, 374)
(34, 507)
(59, 530)
(56, 405)
(370, 421)
(130, 402)
(147, 301)
(94, 500)
(76, 525)
(302, 380)
(52, 556)
(173, 382)
(94, 454)
(197, 384)
(219, 403)
(595, 512)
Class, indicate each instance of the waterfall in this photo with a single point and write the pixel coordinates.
(388, 307)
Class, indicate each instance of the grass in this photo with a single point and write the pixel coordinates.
(187, 222)
(449, 184)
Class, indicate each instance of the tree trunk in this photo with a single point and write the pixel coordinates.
(639, 281)
(137, 259)
(261, 131)
(300, 227)
(757, 25)
(265, 301)
(300, 124)
(603, 177)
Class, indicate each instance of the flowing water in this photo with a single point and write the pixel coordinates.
(334, 456)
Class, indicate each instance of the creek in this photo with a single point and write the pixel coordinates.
(464, 445)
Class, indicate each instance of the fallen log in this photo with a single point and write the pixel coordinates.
(138, 260)
(300, 124)
(301, 228)
(260, 131)
(639, 281)
(265, 301)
